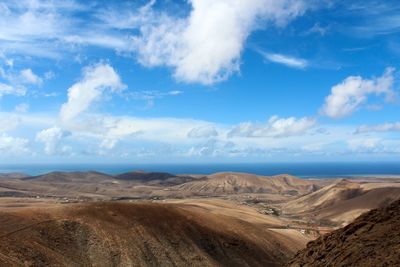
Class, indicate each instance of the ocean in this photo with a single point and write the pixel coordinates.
(306, 170)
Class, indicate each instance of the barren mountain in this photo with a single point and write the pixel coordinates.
(91, 184)
(373, 239)
(12, 175)
(155, 178)
(234, 183)
(344, 200)
(142, 234)
(66, 177)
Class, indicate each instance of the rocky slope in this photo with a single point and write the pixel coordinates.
(373, 239)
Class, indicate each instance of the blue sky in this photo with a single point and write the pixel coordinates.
(199, 81)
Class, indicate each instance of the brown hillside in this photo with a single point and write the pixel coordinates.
(343, 201)
(233, 183)
(143, 234)
(64, 177)
(155, 178)
(373, 239)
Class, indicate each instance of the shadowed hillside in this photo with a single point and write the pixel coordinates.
(145, 234)
(154, 178)
(373, 239)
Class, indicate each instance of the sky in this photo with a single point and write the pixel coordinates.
(199, 81)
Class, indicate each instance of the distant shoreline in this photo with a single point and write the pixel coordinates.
(301, 170)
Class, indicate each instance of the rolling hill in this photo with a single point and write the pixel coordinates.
(142, 234)
(67, 177)
(344, 200)
(234, 183)
(155, 178)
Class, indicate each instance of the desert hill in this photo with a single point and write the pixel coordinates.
(223, 219)
(344, 200)
(91, 184)
(373, 239)
(139, 184)
(142, 176)
(234, 183)
(139, 234)
(11, 175)
(155, 178)
(65, 177)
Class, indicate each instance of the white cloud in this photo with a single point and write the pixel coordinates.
(27, 76)
(95, 80)
(108, 144)
(21, 108)
(30, 120)
(9, 62)
(16, 82)
(101, 40)
(386, 127)
(151, 96)
(275, 127)
(154, 138)
(203, 132)
(353, 92)
(211, 148)
(286, 60)
(168, 130)
(206, 46)
(18, 22)
(6, 89)
(47, 28)
(48, 75)
(12, 145)
(318, 29)
(366, 145)
(8, 122)
(32, 27)
(51, 138)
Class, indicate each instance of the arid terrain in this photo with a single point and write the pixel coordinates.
(373, 239)
(160, 219)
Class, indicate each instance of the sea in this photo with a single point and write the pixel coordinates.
(304, 170)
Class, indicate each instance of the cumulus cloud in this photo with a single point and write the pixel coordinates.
(275, 127)
(154, 138)
(95, 80)
(286, 60)
(353, 92)
(13, 145)
(51, 138)
(386, 127)
(109, 128)
(206, 46)
(203, 132)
